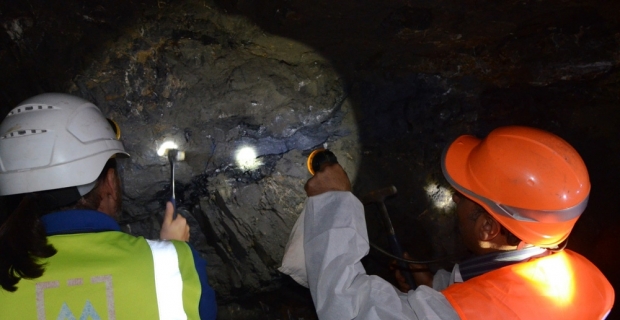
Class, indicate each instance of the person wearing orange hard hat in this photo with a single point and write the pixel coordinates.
(532, 186)
(519, 192)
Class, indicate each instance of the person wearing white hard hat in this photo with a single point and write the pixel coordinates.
(62, 253)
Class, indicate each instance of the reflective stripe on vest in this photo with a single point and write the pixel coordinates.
(168, 282)
(564, 285)
(107, 276)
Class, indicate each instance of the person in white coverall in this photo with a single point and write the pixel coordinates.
(521, 269)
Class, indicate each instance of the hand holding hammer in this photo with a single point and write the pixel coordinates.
(328, 175)
(331, 177)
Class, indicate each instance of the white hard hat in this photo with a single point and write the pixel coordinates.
(54, 141)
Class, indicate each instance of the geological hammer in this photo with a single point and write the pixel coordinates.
(174, 155)
(377, 197)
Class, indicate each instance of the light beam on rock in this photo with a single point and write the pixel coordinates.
(246, 158)
(440, 196)
(167, 145)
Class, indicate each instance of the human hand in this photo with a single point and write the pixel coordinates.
(174, 229)
(331, 177)
(420, 272)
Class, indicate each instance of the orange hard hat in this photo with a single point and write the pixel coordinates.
(531, 181)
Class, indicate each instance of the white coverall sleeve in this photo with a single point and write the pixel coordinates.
(442, 279)
(335, 239)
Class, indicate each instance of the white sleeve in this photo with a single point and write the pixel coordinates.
(335, 239)
(442, 279)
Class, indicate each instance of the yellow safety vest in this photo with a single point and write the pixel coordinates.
(106, 276)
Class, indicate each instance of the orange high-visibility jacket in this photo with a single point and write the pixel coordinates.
(564, 285)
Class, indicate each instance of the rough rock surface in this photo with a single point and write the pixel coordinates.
(384, 84)
(214, 87)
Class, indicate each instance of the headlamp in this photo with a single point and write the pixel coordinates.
(115, 127)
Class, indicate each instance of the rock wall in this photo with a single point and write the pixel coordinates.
(216, 85)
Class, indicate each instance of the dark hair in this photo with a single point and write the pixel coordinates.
(23, 241)
(22, 244)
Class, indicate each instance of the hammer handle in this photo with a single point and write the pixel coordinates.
(173, 197)
(174, 207)
(378, 196)
(404, 267)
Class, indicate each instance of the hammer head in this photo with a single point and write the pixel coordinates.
(175, 155)
(378, 195)
(171, 150)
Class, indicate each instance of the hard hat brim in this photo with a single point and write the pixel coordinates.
(83, 171)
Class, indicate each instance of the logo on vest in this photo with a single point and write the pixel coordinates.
(55, 299)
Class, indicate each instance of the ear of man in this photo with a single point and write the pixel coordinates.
(488, 228)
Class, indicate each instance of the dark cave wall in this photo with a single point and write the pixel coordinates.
(390, 84)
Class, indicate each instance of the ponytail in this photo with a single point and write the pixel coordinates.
(23, 243)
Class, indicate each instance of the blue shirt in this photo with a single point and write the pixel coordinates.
(87, 221)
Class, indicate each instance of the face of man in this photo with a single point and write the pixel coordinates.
(468, 213)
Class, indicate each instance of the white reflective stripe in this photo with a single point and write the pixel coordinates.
(168, 281)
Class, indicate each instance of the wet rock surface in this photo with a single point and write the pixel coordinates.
(384, 84)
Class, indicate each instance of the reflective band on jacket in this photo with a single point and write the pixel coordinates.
(109, 276)
(168, 281)
(564, 285)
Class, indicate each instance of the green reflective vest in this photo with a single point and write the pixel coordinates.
(107, 276)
